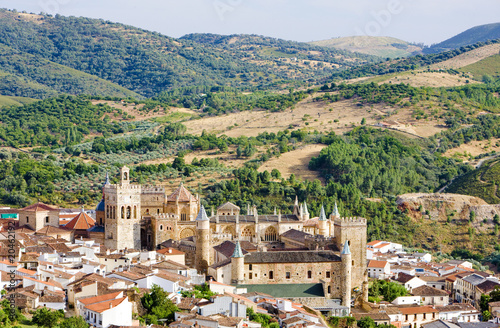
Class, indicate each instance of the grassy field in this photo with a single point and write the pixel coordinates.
(488, 66)
(11, 100)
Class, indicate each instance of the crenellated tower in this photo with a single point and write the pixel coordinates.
(122, 213)
(353, 232)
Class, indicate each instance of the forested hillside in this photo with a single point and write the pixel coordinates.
(473, 35)
(149, 63)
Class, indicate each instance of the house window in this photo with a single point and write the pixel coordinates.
(329, 289)
(46, 219)
(250, 267)
(27, 219)
(328, 274)
(250, 275)
(287, 275)
(309, 274)
(183, 217)
(271, 275)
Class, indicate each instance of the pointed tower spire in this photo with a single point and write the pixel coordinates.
(306, 211)
(336, 213)
(346, 250)
(296, 200)
(322, 215)
(202, 215)
(107, 182)
(237, 250)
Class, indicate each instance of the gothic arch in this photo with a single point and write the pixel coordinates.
(229, 230)
(123, 212)
(271, 234)
(186, 232)
(129, 212)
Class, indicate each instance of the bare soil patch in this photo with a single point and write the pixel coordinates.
(428, 79)
(474, 148)
(468, 58)
(306, 114)
(295, 162)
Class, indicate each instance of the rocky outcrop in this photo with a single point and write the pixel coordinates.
(443, 206)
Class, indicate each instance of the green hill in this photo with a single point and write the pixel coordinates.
(149, 63)
(482, 182)
(26, 75)
(473, 35)
(385, 47)
(488, 66)
(10, 100)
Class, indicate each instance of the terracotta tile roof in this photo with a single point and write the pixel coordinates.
(59, 247)
(170, 265)
(373, 243)
(428, 291)
(26, 271)
(377, 264)
(101, 298)
(52, 230)
(181, 194)
(25, 229)
(487, 286)
(311, 223)
(103, 306)
(170, 251)
(81, 222)
(417, 309)
(39, 207)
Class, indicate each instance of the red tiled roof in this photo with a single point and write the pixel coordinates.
(101, 298)
(377, 264)
(417, 309)
(373, 243)
(170, 251)
(103, 306)
(181, 194)
(81, 222)
(50, 229)
(39, 207)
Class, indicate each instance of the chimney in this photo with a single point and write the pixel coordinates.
(170, 250)
(110, 305)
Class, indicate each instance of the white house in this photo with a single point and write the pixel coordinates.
(220, 288)
(105, 310)
(458, 312)
(379, 269)
(410, 282)
(406, 300)
(41, 285)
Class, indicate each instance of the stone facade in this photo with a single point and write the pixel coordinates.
(38, 216)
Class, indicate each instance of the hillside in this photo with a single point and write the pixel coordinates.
(482, 182)
(26, 75)
(473, 35)
(149, 63)
(385, 47)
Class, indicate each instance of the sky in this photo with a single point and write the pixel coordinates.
(420, 21)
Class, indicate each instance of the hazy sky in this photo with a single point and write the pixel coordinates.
(427, 21)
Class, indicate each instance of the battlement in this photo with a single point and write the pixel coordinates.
(152, 189)
(350, 221)
(319, 238)
(123, 187)
(165, 216)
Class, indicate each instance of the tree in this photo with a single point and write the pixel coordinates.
(363, 121)
(483, 303)
(158, 306)
(44, 317)
(366, 322)
(74, 322)
(486, 315)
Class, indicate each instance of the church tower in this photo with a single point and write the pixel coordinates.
(202, 257)
(345, 257)
(353, 230)
(122, 213)
(237, 265)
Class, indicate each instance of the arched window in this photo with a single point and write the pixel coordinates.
(107, 211)
(270, 234)
(161, 227)
(246, 234)
(329, 289)
(125, 176)
(128, 212)
(183, 217)
(123, 212)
